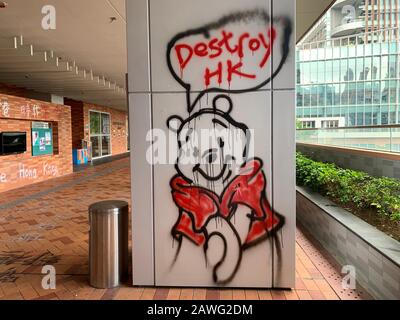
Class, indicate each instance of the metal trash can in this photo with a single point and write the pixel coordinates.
(108, 243)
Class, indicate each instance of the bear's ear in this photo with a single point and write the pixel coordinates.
(223, 103)
(174, 123)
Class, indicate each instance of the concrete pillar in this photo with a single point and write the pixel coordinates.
(218, 211)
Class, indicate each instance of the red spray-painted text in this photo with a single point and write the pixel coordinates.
(226, 43)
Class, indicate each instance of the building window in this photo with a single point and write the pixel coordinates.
(330, 124)
(308, 124)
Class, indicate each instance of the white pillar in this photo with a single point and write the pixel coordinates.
(226, 64)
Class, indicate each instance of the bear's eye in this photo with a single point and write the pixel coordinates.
(212, 158)
(221, 142)
(210, 155)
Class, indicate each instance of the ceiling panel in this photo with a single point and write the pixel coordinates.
(308, 11)
(84, 32)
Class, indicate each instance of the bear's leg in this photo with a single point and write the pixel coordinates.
(223, 250)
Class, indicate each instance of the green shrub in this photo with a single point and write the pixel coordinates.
(350, 188)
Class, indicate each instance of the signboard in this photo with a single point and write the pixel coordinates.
(42, 139)
(214, 137)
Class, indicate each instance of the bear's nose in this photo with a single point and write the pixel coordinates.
(210, 155)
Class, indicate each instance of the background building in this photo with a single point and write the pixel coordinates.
(348, 67)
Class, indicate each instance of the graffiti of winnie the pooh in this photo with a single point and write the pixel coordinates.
(213, 182)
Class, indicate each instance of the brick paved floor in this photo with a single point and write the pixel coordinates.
(47, 224)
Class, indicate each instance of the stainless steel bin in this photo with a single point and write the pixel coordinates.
(108, 243)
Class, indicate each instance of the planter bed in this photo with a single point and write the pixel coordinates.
(352, 241)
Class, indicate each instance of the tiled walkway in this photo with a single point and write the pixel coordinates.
(47, 224)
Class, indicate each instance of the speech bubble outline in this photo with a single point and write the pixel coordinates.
(239, 16)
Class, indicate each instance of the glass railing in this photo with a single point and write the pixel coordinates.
(379, 138)
(362, 38)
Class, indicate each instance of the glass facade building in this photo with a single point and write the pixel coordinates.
(352, 79)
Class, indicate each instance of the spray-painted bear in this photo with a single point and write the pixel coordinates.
(220, 193)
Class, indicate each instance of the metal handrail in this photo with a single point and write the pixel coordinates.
(358, 35)
(386, 126)
(379, 138)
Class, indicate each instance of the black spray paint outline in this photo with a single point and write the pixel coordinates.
(205, 30)
(178, 235)
(216, 112)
